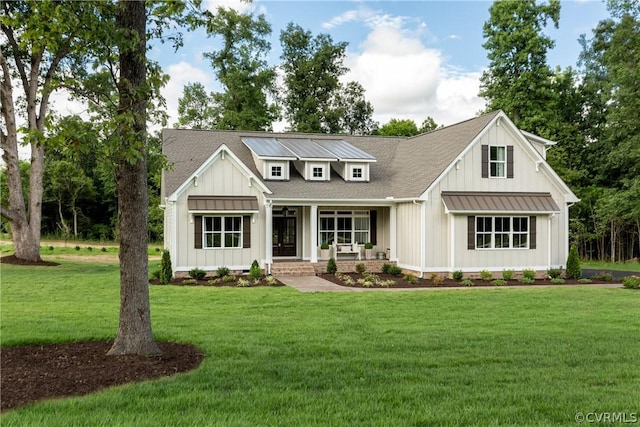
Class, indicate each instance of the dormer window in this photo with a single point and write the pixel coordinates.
(356, 173)
(276, 171)
(317, 173)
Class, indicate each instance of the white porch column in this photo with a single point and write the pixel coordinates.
(314, 233)
(393, 229)
(268, 254)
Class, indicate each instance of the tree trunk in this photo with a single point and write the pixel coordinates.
(134, 331)
(26, 244)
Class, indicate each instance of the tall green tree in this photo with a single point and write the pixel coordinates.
(518, 77)
(241, 67)
(42, 58)
(196, 108)
(399, 127)
(313, 97)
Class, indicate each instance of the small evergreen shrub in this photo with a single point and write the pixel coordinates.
(77, 248)
(457, 275)
(103, 249)
(467, 282)
(557, 280)
(584, 281)
(573, 264)
(386, 267)
(508, 274)
(157, 249)
(50, 248)
(529, 274)
(554, 273)
(222, 271)
(368, 245)
(324, 246)
(166, 273)
(394, 270)
(498, 282)
(255, 272)
(332, 267)
(486, 275)
(89, 248)
(155, 274)
(631, 282)
(360, 268)
(197, 273)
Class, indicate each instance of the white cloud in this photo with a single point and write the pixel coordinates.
(180, 74)
(405, 79)
(237, 5)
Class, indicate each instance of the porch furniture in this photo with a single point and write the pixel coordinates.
(347, 249)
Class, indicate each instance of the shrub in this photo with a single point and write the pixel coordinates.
(508, 274)
(527, 280)
(386, 267)
(243, 283)
(360, 268)
(255, 272)
(528, 274)
(157, 249)
(457, 275)
(77, 248)
(410, 278)
(436, 279)
(222, 271)
(557, 280)
(554, 273)
(332, 267)
(50, 248)
(604, 276)
(499, 282)
(368, 245)
(584, 281)
(189, 282)
(197, 273)
(486, 275)
(631, 282)
(348, 281)
(573, 264)
(89, 248)
(271, 281)
(166, 273)
(386, 283)
(324, 246)
(213, 282)
(228, 278)
(103, 249)
(467, 282)
(394, 270)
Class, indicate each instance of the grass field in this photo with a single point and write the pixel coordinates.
(605, 266)
(277, 357)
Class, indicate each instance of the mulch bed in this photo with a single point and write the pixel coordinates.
(36, 372)
(12, 259)
(426, 283)
(221, 283)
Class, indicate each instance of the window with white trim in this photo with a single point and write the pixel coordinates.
(502, 232)
(276, 171)
(497, 161)
(222, 232)
(344, 227)
(317, 172)
(356, 173)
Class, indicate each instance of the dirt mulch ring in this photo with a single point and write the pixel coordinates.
(427, 283)
(12, 259)
(36, 372)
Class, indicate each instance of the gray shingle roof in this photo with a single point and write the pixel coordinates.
(405, 167)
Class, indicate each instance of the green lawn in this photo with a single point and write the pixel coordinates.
(609, 266)
(275, 356)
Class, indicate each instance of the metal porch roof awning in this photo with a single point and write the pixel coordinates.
(498, 202)
(223, 203)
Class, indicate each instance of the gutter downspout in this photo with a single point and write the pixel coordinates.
(423, 237)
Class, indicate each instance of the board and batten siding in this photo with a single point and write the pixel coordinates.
(466, 176)
(223, 178)
(408, 235)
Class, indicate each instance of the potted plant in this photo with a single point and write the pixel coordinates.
(368, 249)
(324, 250)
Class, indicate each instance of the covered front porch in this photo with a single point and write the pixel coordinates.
(297, 230)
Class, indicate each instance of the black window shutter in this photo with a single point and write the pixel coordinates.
(246, 231)
(509, 161)
(197, 236)
(373, 227)
(532, 232)
(471, 232)
(485, 161)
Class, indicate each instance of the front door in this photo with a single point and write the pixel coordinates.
(284, 236)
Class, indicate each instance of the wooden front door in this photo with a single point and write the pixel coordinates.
(284, 236)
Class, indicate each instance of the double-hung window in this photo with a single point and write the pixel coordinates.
(344, 227)
(502, 232)
(222, 231)
(497, 161)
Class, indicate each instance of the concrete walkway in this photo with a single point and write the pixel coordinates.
(318, 284)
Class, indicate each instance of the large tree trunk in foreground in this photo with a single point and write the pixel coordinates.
(134, 331)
